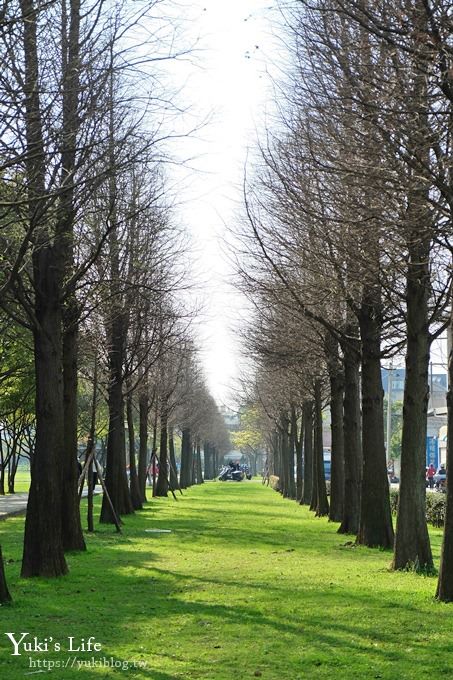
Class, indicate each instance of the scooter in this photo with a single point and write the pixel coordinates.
(246, 470)
(224, 472)
(229, 473)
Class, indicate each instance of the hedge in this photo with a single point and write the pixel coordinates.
(435, 507)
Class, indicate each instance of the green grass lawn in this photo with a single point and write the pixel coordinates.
(246, 585)
(22, 481)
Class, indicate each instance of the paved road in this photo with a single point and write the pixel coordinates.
(16, 504)
(13, 504)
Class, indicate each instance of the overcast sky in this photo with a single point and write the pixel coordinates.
(226, 82)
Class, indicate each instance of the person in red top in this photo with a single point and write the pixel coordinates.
(431, 471)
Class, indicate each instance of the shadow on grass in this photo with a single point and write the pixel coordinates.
(118, 587)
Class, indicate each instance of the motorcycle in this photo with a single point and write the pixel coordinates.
(246, 470)
(229, 473)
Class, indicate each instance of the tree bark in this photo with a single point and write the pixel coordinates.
(133, 477)
(298, 438)
(5, 596)
(192, 464)
(307, 416)
(336, 380)
(91, 443)
(375, 526)
(208, 461)
(174, 484)
(445, 582)
(43, 546)
(186, 462)
(199, 469)
(116, 477)
(116, 332)
(319, 502)
(292, 448)
(412, 546)
(71, 524)
(143, 406)
(70, 46)
(283, 446)
(43, 543)
(215, 461)
(162, 479)
(352, 441)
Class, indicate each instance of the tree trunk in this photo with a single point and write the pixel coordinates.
(445, 582)
(186, 463)
(352, 441)
(174, 484)
(5, 597)
(70, 46)
(199, 469)
(71, 524)
(319, 503)
(116, 332)
(116, 477)
(91, 444)
(14, 462)
(208, 462)
(337, 483)
(412, 546)
(292, 446)
(283, 455)
(2, 470)
(193, 465)
(143, 406)
(133, 477)
(43, 544)
(307, 416)
(154, 445)
(336, 380)
(162, 479)
(275, 466)
(375, 526)
(298, 450)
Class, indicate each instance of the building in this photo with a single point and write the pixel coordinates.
(395, 378)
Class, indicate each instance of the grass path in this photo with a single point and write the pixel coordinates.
(246, 585)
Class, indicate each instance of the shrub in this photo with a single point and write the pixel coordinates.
(435, 507)
(274, 481)
(393, 501)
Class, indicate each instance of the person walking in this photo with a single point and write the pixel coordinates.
(431, 471)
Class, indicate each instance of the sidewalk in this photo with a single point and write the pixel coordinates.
(13, 504)
(16, 504)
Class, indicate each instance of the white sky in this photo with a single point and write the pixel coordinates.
(225, 81)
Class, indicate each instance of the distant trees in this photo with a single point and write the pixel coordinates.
(249, 438)
(346, 255)
(90, 270)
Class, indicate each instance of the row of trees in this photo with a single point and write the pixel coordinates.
(93, 268)
(346, 259)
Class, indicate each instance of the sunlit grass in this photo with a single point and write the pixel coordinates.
(22, 481)
(246, 585)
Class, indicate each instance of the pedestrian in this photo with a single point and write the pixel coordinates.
(431, 471)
